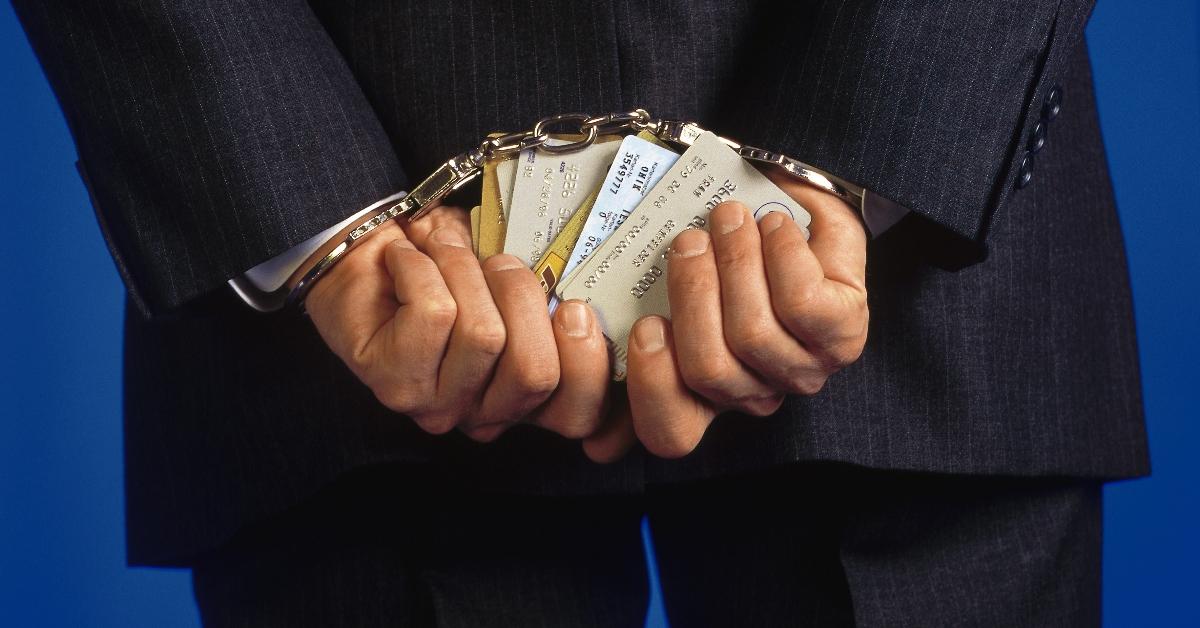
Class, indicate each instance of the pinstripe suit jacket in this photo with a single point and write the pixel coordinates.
(216, 134)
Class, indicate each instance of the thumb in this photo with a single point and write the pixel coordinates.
(356, 297)
(615, 435)
(839, 239)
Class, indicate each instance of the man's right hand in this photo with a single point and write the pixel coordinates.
(454, 343)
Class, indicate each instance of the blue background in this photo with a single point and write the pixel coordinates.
(61, 536)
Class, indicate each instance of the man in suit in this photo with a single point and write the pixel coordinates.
(949, 476)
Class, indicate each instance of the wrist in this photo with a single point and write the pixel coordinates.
(337, 247)
(362, 259)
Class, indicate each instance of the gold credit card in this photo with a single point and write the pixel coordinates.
(492, 224)
(549, 270)
(475, 229)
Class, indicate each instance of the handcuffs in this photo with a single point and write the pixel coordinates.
(462, 169)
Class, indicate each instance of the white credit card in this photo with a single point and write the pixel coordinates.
(506, 173)
(625, 278)
(638, 166)
(547, 190)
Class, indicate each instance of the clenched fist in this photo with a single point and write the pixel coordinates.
(757, 312)
(453, 343)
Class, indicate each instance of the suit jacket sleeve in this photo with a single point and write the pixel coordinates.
(930, 104)
(213, 134)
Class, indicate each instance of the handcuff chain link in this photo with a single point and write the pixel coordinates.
(461, 169)
(588, 126)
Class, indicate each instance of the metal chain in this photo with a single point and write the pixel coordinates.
(459, 170)
(588, 126)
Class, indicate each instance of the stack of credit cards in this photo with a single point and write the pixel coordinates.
(595, 224)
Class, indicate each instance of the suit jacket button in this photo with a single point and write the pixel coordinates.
(1053, 103)
(1025, 171)
(1037, 138)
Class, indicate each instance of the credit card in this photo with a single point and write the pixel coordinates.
(640, 162)
(492, 225)
(475, 230)
(548, 189)
(550, 269)
(625, 278)
(506, 174)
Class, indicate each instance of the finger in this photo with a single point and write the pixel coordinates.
(839, 239)
(478, 337)
(615, 435)
(706, 363)
(828, 317)
(528, 370)
(668, 417)
(356, 298)
(577, 405)
(404, 355)
(444, 216)
(752, 331)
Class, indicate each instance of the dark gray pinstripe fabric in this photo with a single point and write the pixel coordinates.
(354, 558)
(216, 134)
(830, 546)
(816, 545)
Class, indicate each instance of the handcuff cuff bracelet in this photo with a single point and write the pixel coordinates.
(462, 169)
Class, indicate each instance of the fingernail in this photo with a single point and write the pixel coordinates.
(575, 319)
(504, 262)
(728, 216)
(446, 235)
(650, 335)
(771, 222)
(690, 243)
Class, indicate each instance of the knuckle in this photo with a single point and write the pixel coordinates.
(577, 427)
(482, 436)
(688, 283)
(602, 453)
(857, 303)
(736, 256)
(760, 406)
(808, 384)
(796, 304)
(439, 311)
(756, 409)
(360, 362)
(752, 340)
(707, 376)
(675, 443)
(845, 354)
(838, 353)
(577, 431)
(538, 380)
(436, 423)
(782, 242)
(487, 433)
(394, 398)
(486, 336)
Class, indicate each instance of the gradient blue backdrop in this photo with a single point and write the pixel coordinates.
(61, 537)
